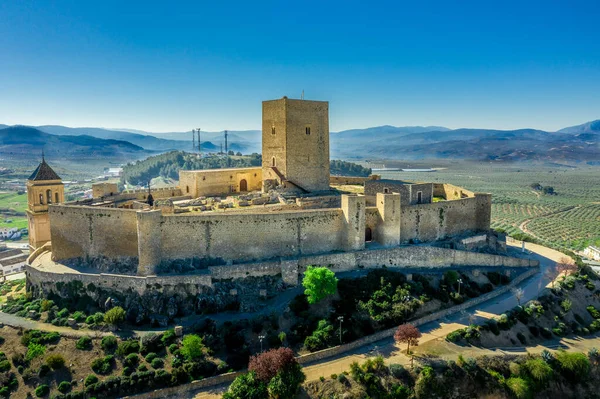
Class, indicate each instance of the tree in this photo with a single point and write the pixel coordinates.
(279, 369)
(408, 334)
(115, 316)
(565, 265)
(246, 386)
(192, 347)
(267, 364)
(518, 293)
(319, 282)
(239, 154)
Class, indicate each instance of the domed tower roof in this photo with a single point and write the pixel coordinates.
(44, 172)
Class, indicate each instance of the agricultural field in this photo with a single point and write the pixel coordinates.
(12, 210)
(568, 220)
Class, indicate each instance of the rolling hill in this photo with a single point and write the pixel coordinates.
(589, 127)
(23, 142)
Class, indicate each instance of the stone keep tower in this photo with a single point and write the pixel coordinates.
(295, 144)
(44, 187)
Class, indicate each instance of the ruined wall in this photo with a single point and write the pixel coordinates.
(104, 189)
(409, 192)
(451, 192)
(214, 182)
(250, 236)
(78, 231)
(351, 180)
(429, 222)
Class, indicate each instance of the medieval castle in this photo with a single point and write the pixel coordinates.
(272, 220)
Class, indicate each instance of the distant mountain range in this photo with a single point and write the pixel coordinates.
(572, 144)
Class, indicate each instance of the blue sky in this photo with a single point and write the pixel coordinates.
(172, 66)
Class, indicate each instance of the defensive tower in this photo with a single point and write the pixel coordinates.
(295, 144)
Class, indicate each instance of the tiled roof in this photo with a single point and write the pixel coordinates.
(44, 172)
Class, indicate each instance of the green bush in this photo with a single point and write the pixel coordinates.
(173, 348)
(55, 361)
(455, 336)
(90, 380)
(79, 316)
(115, 315)
(150, 357)
(320, 338)
(109, 343)
(131, 360)
(539, 370)
(573, 364)
(519, 387)
(168, 337)
(127, 347)
(157, 363)
(84, 343)
(64, 387)
(247, 386)
(34, 350)
(319, 282)
(593, 311)
(103, 365)
(4, 366)
(192, 347)
(42, 390)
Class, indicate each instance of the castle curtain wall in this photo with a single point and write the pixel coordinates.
(79, 232)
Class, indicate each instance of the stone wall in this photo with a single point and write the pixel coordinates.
(451, 192)
(252, 236)
(438, 220)
(351, 180)
(81, 232)
(215, 182)
(409, 192)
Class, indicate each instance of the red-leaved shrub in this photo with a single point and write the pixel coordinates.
(267, 364)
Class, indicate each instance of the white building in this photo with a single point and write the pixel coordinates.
(9, 233)
(592, 252)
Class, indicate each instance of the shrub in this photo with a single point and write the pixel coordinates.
(131, 360)
(247, 386)
(84, 343)
(55, 361)
(398, 371)
(90, 380)
(4, 366)
(319, 282)
(455, 336)
(44, 369)
(593, 311)
(287, 382)
(115, 316)
(173, 348)
(109, 343)
(342, 378)
(127, 347)
(103, 365)
(320, 338)
(150, 357)
(157, 363)
(192, 347)
(575, 365)
(42, 390)
(34, 350)
(168, 337)
(267, 364)
(79, 316)
(519, 387)
(64, 387)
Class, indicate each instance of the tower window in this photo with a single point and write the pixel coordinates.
(272, 129)
(49, 196)
(41, 199)
(274, 162)
(419, 197)
(56, 197)
(307, 130)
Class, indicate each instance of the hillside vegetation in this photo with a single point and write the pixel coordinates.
(168, 166)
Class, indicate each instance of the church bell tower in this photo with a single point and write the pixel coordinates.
(44, 187)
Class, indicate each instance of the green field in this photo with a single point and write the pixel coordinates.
(568, 220)
(13, 202)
